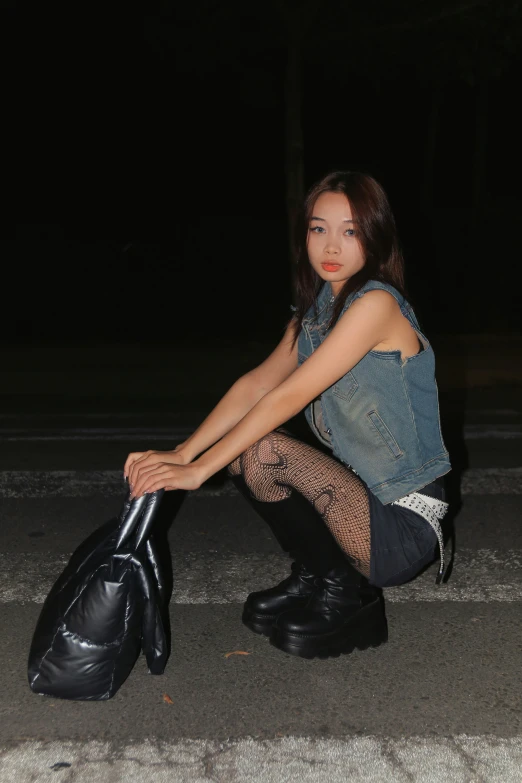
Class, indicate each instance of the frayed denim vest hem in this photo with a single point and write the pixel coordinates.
(392, 490)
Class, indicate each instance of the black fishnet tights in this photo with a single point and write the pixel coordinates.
(278, 464)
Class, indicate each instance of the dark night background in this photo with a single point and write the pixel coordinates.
(147, 161)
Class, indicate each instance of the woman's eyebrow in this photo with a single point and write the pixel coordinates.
(345, 220)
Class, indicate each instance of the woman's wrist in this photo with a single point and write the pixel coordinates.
(204, 473)
(183, 453)
(201, 473)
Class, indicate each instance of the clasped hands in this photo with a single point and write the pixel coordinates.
(148, 471)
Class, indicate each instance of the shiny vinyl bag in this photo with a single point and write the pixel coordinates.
(105, 608)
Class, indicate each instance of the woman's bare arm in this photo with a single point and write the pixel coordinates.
(242, 397)
(359, 330)
(236, 403)
(367, 323)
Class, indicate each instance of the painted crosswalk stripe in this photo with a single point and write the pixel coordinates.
(362, 759)
(178, 432)
(82, 483)
(101, 434)
(483, 575)
(496, 432)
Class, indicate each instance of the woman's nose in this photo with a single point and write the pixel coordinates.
(332, 248)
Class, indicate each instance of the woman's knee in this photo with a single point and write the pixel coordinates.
(260, 459)
(256, 458)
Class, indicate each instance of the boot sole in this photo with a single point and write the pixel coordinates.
(342, 642)
(260, 624)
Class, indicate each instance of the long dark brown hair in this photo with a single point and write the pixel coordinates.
(376, 234)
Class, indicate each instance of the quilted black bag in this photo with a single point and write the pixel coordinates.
(106, 607)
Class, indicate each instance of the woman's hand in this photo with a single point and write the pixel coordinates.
(144, 460)
(165, 475)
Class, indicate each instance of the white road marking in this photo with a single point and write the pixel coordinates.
(363, 759)
(482, 575)
(177, 432)
(495, 412)
(119, 414)
(82, 483)
(497, 432)
(101, 434)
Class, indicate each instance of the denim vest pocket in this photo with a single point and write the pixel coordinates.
(385, 434)
(346, 386)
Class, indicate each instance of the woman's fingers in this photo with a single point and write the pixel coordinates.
(137, 461)
(142, 473)
(168, 476)
(145, 482)
(134, 459)
(133, 456)
(146, 458)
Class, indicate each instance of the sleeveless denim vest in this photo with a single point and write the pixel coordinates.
(382, 418)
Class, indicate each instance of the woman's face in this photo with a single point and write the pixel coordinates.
(333, 248)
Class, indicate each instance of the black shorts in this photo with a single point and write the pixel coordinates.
(402, 542)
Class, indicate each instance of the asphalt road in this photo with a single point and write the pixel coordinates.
(440, 702)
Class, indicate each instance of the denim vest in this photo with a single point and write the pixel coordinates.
(381, 418)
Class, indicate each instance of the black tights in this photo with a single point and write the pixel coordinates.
(278, 464)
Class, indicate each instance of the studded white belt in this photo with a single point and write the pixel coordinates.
(432, 510)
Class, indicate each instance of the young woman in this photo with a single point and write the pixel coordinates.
(362, 511)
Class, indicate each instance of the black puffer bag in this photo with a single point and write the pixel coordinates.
(106, 606)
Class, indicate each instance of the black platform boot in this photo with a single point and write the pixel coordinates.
(301, 532)
(347, 613)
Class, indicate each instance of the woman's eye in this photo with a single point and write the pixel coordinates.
(317, 229)
(350, 232)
